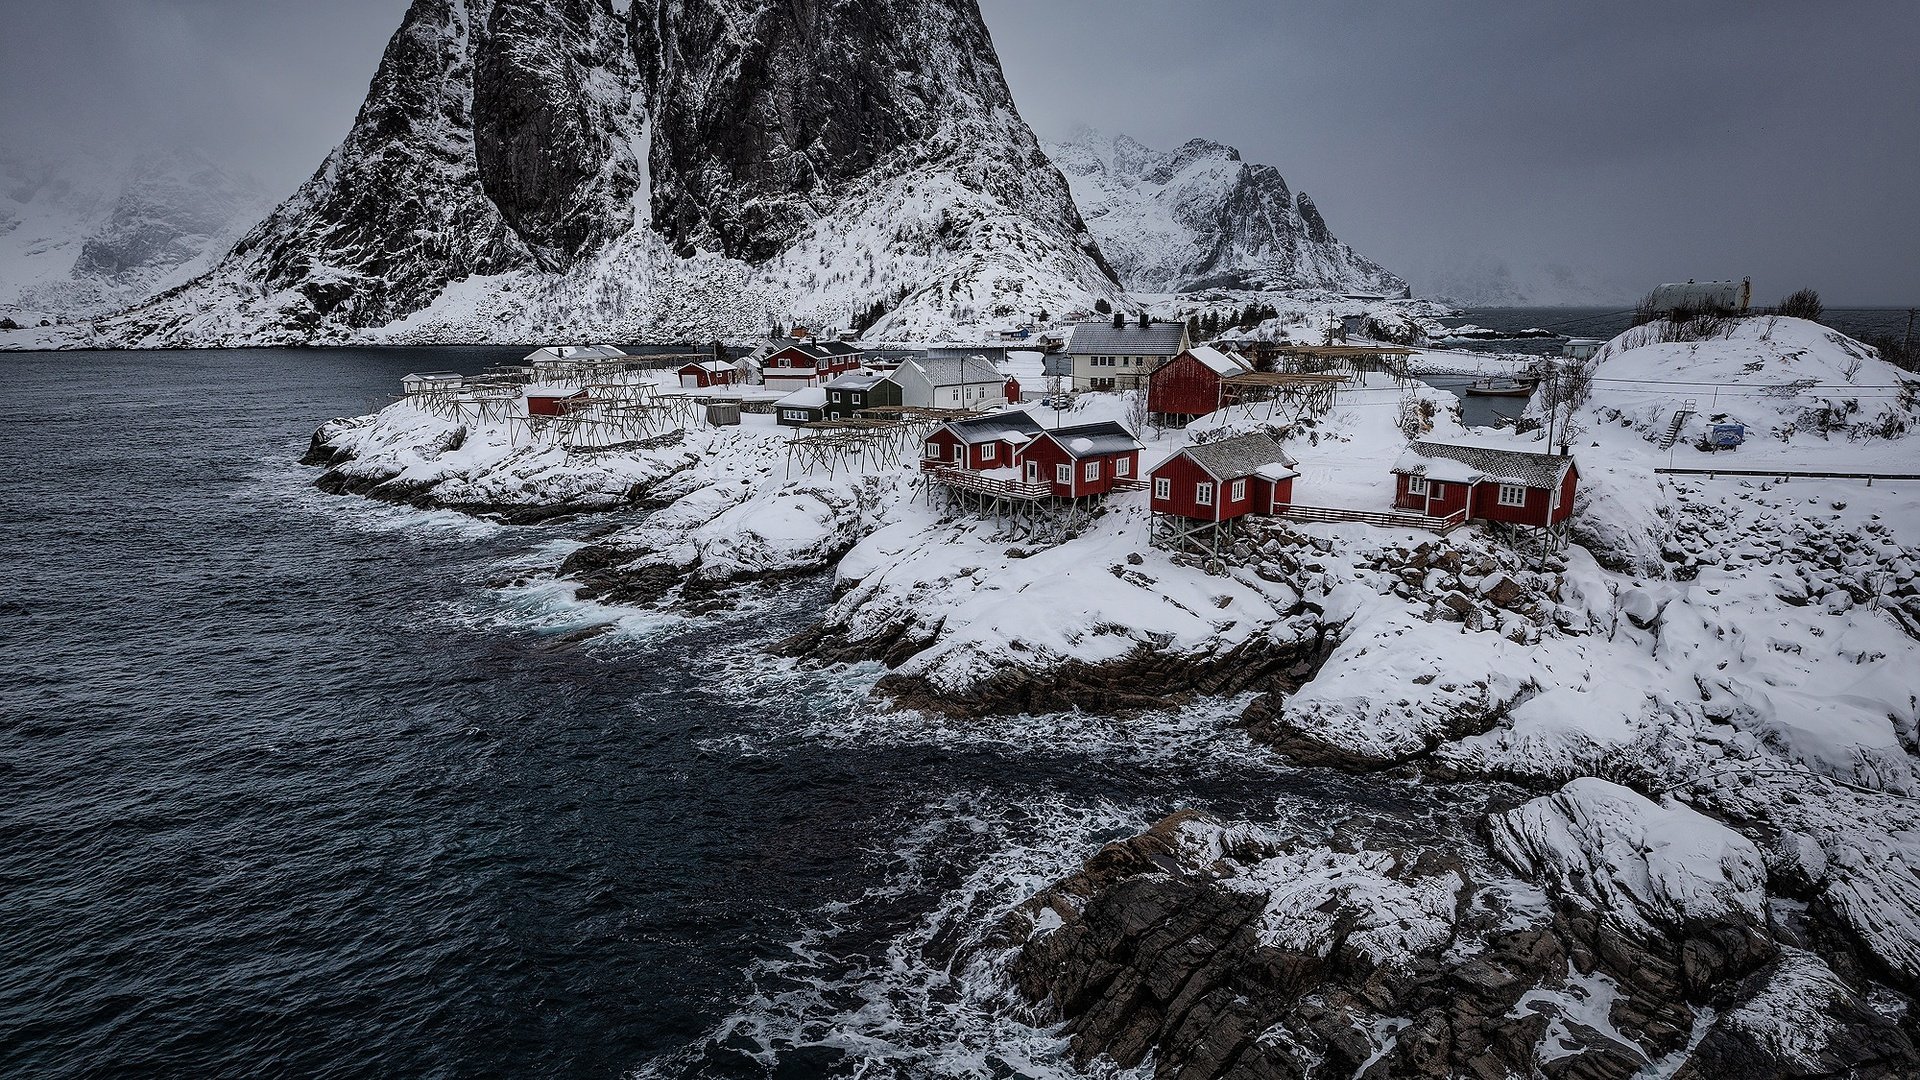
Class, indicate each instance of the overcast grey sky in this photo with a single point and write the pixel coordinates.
(1633, 141)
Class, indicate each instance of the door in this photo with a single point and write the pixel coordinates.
(1033, 472)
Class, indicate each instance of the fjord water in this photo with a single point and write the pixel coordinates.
(301, 785)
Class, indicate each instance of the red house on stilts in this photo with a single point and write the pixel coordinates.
(1483, 483)
(1201, 492)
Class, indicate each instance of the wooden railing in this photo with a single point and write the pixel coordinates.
(968, 480)
(1394, 519)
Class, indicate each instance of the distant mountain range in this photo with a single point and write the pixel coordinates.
(95, 230)
(1490, 281)
(1198, 217)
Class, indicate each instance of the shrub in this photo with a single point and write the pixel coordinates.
(1804, 304)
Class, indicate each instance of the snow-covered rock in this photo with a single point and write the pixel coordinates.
(1614, 851)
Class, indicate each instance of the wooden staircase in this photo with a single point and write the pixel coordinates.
(1680, 415)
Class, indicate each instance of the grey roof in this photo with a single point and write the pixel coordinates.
(961, 371)
(1506, 466)
(839, 348)
(1242, 455)
(806, 347)
(857, 380)
(1130, 339)
(995, 427)
(1089, 440)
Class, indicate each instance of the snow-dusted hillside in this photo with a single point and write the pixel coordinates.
(661, 171)
(1200, 218)
(95, 230)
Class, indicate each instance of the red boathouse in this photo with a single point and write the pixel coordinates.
(1188, 386)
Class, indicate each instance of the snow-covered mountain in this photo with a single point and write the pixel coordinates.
(1200, 218)
(529, 168)
(98, 229)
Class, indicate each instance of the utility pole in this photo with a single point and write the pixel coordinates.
(1906, 343)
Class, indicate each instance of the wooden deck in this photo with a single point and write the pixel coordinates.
(1392, 519)
(968, 480)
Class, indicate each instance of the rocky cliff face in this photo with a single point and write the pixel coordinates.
(1199, 218)
(678, 168)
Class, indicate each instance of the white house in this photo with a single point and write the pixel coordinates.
(1109, 357)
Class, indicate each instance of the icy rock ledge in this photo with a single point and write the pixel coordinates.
(1213, 949)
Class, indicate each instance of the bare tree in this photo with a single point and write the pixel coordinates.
(1138, 405)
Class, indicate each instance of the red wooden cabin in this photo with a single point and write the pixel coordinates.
(1188, 386)
(979, 443)
(1225, 480)
(552, 400)
(808, 363)
(704, 373)
(1090, 459)
(1486, 483)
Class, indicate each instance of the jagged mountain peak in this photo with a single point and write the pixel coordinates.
(1201, 217)
(669, 167)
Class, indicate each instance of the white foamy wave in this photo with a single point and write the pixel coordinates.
(548, 607)
(922, 993)
(290, 489)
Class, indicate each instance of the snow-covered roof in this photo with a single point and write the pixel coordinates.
(553, 390)
(812, 397)
(435, 376)
(1093, 440)
(805, 348)
(709, 365)
(1274, 470)
(1702, 296)
(1129, 339)
(1242, 455)
(1457, 464)
(1218, 362)
(961, 371)
(857, 380)
(572, 353)
(1010, 427)
(838, 348)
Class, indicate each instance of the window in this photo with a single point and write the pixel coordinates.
(836, 397)
(933, 452)
(1439, 491)
(960, 452)
(795, 414)
(1416, 485)
(1123, 467)
(1513, 495)
(1238, 491)
(1162, 488)
(1063, 474)
(1092, 471)
(989, 451)
(1203, 493)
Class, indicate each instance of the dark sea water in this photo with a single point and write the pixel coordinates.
(288, 788)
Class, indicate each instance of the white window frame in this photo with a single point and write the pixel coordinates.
(1063, 474)
(1091, 471)
(1416, 485)
(1122, 467)
(1238, 492)
(990, 452)
(1203, 493)
(933, 451)
(1512, 495)
(1162, 487)
(960, 453)
(836, 397)
(795, 414)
